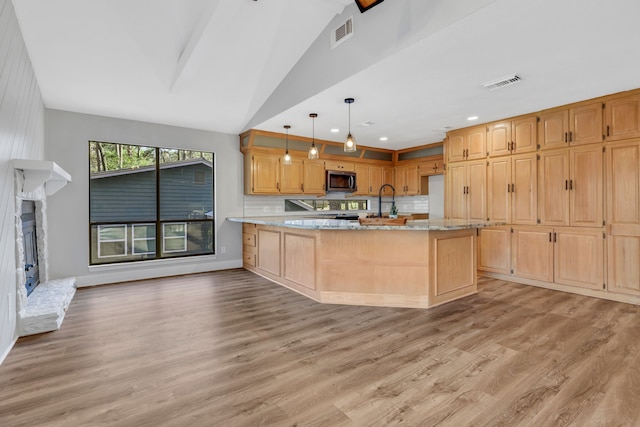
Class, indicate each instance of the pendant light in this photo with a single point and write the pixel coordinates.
(350, 143)
(313, 150)
(286, 160)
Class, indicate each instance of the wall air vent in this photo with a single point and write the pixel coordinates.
(343, 33)
(502, 82)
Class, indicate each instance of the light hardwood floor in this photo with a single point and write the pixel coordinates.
(232, 349)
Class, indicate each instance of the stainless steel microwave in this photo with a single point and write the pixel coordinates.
(341, 181)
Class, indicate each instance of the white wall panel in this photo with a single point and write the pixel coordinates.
(21, 136)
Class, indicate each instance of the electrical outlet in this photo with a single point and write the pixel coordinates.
(223, 249)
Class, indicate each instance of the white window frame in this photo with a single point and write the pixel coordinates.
(134, 239)
(165, 238)
(100, 241)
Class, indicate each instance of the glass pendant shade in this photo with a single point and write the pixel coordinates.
(313, 150)
(287, 157)
(350, 143)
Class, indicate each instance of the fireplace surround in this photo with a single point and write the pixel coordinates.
(44, 309)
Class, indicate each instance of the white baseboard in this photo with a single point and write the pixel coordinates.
(104, 275)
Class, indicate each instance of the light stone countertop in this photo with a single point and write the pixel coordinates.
(319, 223)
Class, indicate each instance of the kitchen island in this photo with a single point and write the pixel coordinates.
(421, 264)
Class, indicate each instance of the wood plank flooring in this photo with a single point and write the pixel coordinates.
(233, 349)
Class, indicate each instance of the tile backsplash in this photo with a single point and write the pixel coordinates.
(274, 205)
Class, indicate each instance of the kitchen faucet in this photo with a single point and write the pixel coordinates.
(393, 198)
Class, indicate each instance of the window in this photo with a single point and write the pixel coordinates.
(149, 203)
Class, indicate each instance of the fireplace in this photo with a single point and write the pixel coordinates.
(40, 303)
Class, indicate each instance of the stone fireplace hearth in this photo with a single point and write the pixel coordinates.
(44, 309)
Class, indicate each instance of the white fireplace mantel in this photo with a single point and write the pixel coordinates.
(41, 173)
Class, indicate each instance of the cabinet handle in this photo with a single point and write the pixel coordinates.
(566, 137)
(607, 130)
(570, 184)
(370, 189)
(570, 136)
(566, 184)
(513, 146)
(508, 188)
(554, 237)
(278, 186)
(513, 188)
(302, 187)
(549, 236)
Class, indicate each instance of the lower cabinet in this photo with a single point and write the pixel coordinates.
(623, 253)
(562, 255)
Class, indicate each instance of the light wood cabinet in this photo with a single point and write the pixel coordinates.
(292, 176)
(571, 187)
(467, 144)
(371, 178)
(466, 190)
(407, 180)
(249, 244)
(570, 127)
(532, 253)
(516, 136)
(579, 257)
(494, 249)
(622, 117)
(623, 217)
(268, 248)
(512, 189)
(334, 165)
(263, 175)
(431, 166)
(314, 177)
(267, 174)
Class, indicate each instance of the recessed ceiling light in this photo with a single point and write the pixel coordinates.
(334, 130)
(471, 118)
(384, 138)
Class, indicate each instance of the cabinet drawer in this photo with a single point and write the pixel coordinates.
(249, 228)
(249, 255)
(248, 239)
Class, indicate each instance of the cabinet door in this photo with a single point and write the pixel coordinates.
(339, 166)
(499, 189)
(553, 191)
(499, 139)
(579, 257)
(524, 193)
(314, 177)
(477, 143)
(585, 124)
(292, 177)
(375, 180)
(585, 186)
(494, 250)
(532, 253)
(401, 180)
(388, 178)
(412, 180)
(623, 183)
(456, 190)
(525, 135)
(362, 179)
(456, 146)
(623, 259)
(477, 190)
(553, 129)
(265, 174)
(622, 118)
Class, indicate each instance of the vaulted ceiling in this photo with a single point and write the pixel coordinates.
(415, 67)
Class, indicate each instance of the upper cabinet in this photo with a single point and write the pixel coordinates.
(467, 144)
(407, 180)
(579, 125)
(622, 117)
(512, 136)
(266, 174)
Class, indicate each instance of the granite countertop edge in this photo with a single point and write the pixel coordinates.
(341, 224)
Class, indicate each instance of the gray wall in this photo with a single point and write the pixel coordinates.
(21, 136)
(67, 137)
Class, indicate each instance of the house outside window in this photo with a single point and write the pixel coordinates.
(149, 203)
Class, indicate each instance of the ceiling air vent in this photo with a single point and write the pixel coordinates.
(502, 82)
(342, 33)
